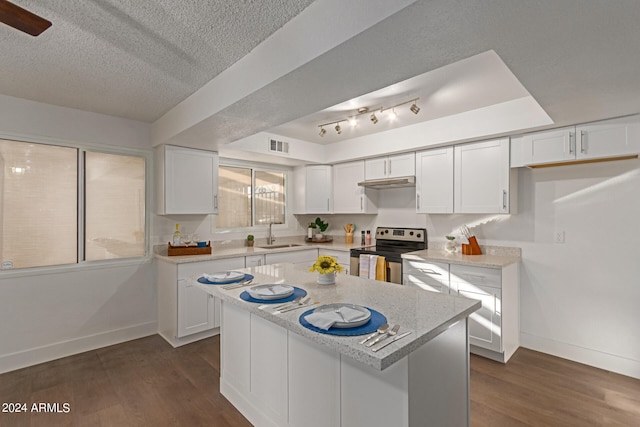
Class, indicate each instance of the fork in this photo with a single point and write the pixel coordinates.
(389, 333)
(237, 285)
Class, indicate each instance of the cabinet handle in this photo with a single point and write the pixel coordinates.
(385, 167)
(418, 201)
(582, 136)
(361, 203)
(504, 199)
(215, 201)
(570, 143)
(327, 205)
(429, 271)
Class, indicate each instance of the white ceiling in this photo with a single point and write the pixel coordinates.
(149, 61)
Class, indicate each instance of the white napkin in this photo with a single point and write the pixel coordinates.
(272, 290)
(325, 320)
(228, 275)
(373, 262)
(364, 265)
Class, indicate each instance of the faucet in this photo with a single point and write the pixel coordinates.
(270, 238)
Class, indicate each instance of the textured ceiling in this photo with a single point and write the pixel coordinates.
(133, 59)
(578, 58)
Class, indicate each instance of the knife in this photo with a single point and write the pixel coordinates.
(295, 308)
(387, 342)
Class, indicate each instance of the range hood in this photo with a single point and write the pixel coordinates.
(402, 181)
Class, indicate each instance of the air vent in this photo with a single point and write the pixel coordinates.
(278, 146)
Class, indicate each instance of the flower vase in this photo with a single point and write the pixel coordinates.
(327, 279)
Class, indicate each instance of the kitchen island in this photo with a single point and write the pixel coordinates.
(279, 373)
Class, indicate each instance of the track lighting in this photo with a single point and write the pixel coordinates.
(353, 119)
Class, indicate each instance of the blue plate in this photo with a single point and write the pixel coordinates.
(297, 292)
(242, 279)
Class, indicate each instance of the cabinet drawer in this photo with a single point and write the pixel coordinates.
(192, 268)
(480, 276)
(435, 270)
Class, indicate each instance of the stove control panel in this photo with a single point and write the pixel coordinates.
(401, 234)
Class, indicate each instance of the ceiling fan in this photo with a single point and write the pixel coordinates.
(21, 19)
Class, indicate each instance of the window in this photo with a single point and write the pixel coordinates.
(250, 196)
(45, 222)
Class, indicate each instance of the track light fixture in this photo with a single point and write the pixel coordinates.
(353, 119)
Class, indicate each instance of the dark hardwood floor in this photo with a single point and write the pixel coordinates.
(148, 383)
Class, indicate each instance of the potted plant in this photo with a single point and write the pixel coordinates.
(450, 245)
(322, 226)
(250, 239)
(327, 267)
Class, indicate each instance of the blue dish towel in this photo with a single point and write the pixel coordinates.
(227, 282)
(377, 319)
(297, 292)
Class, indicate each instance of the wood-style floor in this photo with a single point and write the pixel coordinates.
(148, 383)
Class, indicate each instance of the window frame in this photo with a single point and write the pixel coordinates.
(81, 148)
(255, 166)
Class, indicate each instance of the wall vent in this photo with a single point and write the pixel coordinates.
(278, 146)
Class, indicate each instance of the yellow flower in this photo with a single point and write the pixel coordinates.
(326, 264)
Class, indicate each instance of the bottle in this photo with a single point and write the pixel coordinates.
(368, 237)
(363, 240)
(176, 236)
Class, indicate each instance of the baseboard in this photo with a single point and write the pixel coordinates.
(47, 353)
(177, 342)
(597, 359)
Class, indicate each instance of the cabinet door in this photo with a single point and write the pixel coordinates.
(401, 165)
(608, 138)
(485, 324)
(196, 309)
(342, 257)
(190, 181)
(557, 145)
(318, 189)
(434, 181)
(481, 177)
(348, 196)
(253, 261)
(375, 168)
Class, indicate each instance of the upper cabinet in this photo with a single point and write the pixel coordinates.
(434, 180)
(186, 181)
(598, 140)
(313, 189)
(390, 166)
(348, 196)
(482, 177)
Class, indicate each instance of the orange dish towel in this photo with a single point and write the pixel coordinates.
(381, 269)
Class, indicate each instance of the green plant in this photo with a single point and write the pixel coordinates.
(250, 237)
(321, 224)
(450, 237)
(312, 225)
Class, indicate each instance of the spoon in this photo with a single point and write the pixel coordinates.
(390, 333)
(381, 330)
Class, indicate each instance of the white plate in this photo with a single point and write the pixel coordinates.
(366, 314)
(262, 291)
(225, 276)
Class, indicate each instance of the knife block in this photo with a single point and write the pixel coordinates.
(473, 248)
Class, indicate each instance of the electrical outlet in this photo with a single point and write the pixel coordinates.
(559, 236)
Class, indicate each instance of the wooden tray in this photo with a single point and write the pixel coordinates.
(188, 250)
(313, 240)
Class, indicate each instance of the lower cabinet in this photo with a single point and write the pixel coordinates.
(494, 330)
(305, 256)
(185, 312)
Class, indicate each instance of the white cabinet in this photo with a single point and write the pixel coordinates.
(313, 189)
(348, 196)
(390, 166)
(496, 325)
(306, 256)
(186, 181)
(429, 276)
(185, 312)
(434, 181)
(253, 261)
(343, 258)
(597, 140)
(482, 177)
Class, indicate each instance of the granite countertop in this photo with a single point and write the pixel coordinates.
(492, 257)
(425, 314)
(230, 249)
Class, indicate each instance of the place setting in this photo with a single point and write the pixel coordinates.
(342, 319)
(230, 279)
(275, 293)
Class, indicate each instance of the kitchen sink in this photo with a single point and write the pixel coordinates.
(284, 245)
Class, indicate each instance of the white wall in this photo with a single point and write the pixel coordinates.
(70, 310)
(579, 300)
